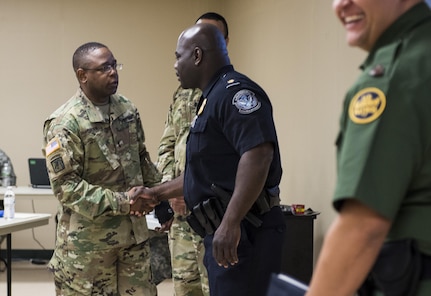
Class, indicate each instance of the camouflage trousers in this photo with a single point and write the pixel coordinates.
(189, 274)
(111, 272)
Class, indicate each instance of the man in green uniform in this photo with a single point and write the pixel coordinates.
(95, 153)
(188, 272)
(383, 192)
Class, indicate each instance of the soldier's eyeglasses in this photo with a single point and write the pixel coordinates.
(106, 68)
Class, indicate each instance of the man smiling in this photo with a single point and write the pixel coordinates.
(379, 243)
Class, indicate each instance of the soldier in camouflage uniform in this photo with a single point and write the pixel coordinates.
(189, 274)
(95, 152)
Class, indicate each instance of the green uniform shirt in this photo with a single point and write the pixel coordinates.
(384, 144)
(93, 157)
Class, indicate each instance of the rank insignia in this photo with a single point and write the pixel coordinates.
(367, 105)
(246, 101)
(232, 82)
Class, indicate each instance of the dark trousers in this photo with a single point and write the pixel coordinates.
(259, 254)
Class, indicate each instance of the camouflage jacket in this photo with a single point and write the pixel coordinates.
(172, 149)
(93, 158)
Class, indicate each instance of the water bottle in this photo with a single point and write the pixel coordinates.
(9, 203)
(6, 172)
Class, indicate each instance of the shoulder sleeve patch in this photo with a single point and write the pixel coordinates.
(52, 146)
(367, 105)
(57, 164)
(246, 101)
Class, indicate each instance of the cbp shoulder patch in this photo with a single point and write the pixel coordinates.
(367, 105)
(246, 101)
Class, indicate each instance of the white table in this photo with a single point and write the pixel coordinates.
(29, 192)
(20, 222)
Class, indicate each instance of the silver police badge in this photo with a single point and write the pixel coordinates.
(246, 101)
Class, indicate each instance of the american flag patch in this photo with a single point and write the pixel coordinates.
(52, 146)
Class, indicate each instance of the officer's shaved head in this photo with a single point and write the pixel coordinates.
(201, 51)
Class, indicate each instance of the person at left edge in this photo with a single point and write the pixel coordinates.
(95, 153)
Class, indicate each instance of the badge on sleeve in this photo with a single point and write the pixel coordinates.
(367, 105)
(52, 146)
(58, 164)
(246, 101)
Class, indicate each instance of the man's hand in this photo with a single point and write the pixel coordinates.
(142, 201)
(225, 244)
(178, 205)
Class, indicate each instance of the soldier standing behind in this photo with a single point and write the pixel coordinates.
(95, 154)
(188, 272)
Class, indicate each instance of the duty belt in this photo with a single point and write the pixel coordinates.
(207, 215)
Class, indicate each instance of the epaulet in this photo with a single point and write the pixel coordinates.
(232, 82)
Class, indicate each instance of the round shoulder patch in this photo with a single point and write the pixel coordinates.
(246, 101)
(367, 105)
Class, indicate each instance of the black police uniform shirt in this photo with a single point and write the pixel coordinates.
(234, 115)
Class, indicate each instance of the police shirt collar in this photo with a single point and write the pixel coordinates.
(223, 70)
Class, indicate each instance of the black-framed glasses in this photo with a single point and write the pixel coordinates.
(106, 68)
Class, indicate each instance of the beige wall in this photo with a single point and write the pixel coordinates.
(294, 48)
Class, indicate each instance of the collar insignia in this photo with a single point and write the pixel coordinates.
(377, 71)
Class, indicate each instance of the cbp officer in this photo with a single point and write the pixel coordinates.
(233, 145)
(189, 274)
(383, 192)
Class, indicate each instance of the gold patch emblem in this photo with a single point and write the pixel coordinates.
(367, 105)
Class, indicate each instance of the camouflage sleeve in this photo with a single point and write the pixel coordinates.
(64, 154)
(166, 152)
(172, 148)
(150, 172)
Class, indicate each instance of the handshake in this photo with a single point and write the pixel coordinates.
(142, 200)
